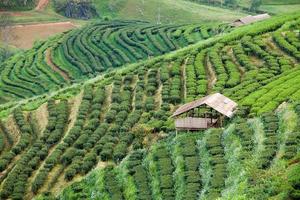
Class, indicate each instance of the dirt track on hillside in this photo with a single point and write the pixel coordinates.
(54, 67)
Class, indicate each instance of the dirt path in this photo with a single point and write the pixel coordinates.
(42, 115)
(108, 100)
(8, 140)
(272, 46)
(42, 4)
(212, 79)
(12, 127)
(9, 168)
(158, 97)
(7, 145)
(74, 105)
(135, 80)
(145, 82)
(183, 74)
(101, 165)
(54, 67)
(234, 60)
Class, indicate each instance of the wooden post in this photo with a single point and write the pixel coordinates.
(221, 121)
(211, 116)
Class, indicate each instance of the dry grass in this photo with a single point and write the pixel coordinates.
(175, 11)
(135, 79)
(107, 102)
(12, 128)
(212, 78)
(41, 114)
(75, 102)
(183, 80)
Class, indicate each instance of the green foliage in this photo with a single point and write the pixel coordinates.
(123, 118)
(255, 4)
(84, 53)
(82, 9)
(18, 4)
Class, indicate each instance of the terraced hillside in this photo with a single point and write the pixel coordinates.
(51, 141)
(84, 53)
(234, 163)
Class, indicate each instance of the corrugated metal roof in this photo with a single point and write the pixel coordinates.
(217, 101)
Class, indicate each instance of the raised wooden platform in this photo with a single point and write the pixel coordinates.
(192, 123)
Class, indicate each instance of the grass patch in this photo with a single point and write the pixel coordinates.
(167, 11)
(280, 2)
(280, 9)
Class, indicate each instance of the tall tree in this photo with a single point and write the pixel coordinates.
(231, 3)
(255, 4)
(5, 24)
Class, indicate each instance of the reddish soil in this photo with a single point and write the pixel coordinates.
(15, 14)
(24, 36)
(54, 67)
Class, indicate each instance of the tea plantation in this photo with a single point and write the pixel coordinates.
(237, 162)
(86, 52)
(117, 126)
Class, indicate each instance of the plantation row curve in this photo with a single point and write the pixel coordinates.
(84, 53)
(206, 165)
(101, 122)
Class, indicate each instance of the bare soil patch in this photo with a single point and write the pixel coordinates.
(24, 36)
(108, 100)
(41, 114)
(54, 67)
(12, 128)
(102, 165)
(212, 77)
(135, 79)
(15, 14)
(74, 111)
(183, 81)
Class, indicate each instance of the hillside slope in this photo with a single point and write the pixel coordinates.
(248, 160)
(274, 7)
(166, 12)
(53, 140)
(84, 53)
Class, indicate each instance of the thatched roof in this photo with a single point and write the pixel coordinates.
(250, 19)
(216, 101)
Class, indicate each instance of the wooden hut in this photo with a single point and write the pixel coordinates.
(250, 19)
(204, 113)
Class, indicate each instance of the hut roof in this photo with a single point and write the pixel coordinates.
(250, 19)
(216, 101)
